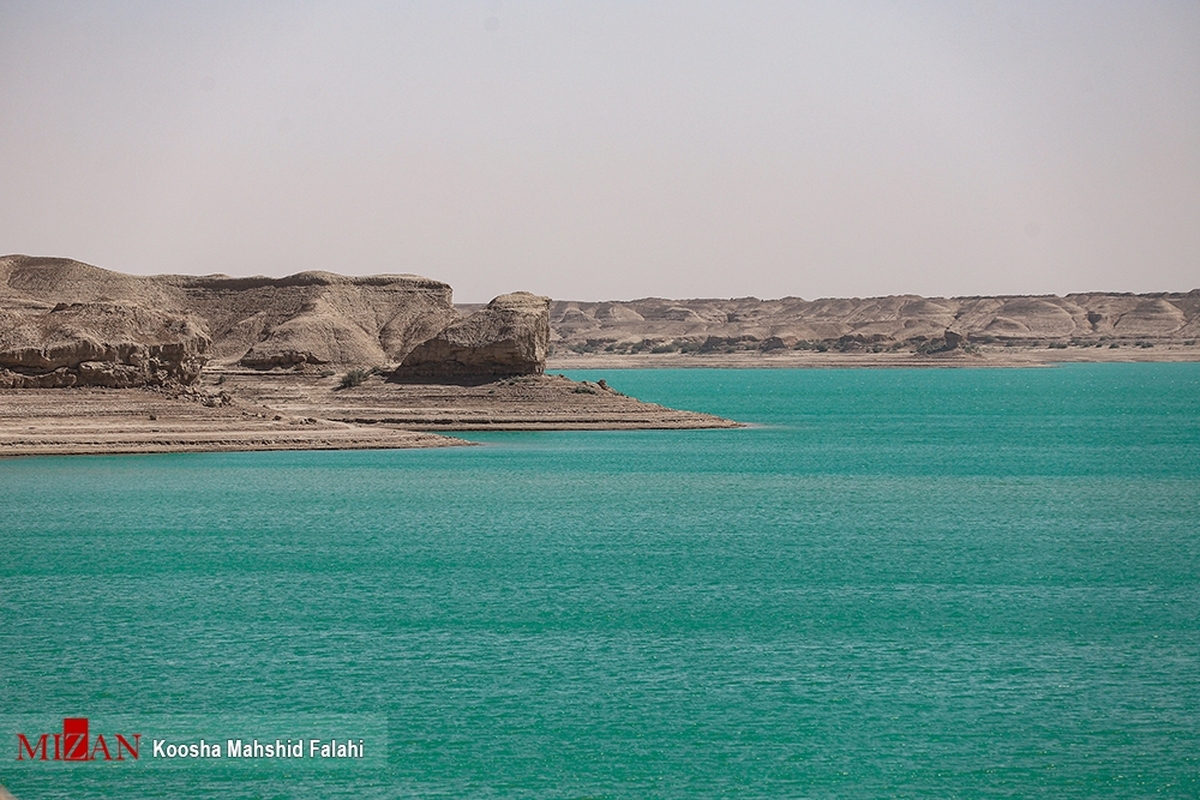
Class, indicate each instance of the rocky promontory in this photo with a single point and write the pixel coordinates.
(509, 337)
(316, 360)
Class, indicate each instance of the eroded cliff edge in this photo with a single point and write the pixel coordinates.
(65, 323)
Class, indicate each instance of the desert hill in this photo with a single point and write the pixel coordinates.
(311, 317)
(903, 322)
(64, 323)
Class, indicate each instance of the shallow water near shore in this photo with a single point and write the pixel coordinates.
(897, 582)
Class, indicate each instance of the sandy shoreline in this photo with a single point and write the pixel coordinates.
(243, 410)
(120, 421)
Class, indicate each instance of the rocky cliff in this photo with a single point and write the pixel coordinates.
(509, 337)
(99, 344)
(316, 318)
(63, 322)
(874, 324)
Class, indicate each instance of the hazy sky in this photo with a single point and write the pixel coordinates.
(600, 150)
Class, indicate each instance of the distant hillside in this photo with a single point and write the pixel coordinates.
(876, 324)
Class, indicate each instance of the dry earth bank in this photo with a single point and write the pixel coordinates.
(250, 410)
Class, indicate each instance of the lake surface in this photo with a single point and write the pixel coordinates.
(898, 583)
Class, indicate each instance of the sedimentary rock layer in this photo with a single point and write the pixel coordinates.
(99, 344)
(94, 420)
(524, 402)
(244, 409)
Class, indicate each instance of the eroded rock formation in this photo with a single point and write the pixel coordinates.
(316, 318)
(100, 344)
(509, 337)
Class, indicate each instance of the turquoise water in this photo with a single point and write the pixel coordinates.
(898, 583)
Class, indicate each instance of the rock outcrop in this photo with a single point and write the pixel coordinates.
(100, 344)
(65, 323)
(311, 318)
(509, 337)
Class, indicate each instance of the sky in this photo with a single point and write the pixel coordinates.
(612, 150)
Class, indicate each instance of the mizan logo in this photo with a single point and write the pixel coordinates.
(73, 744)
